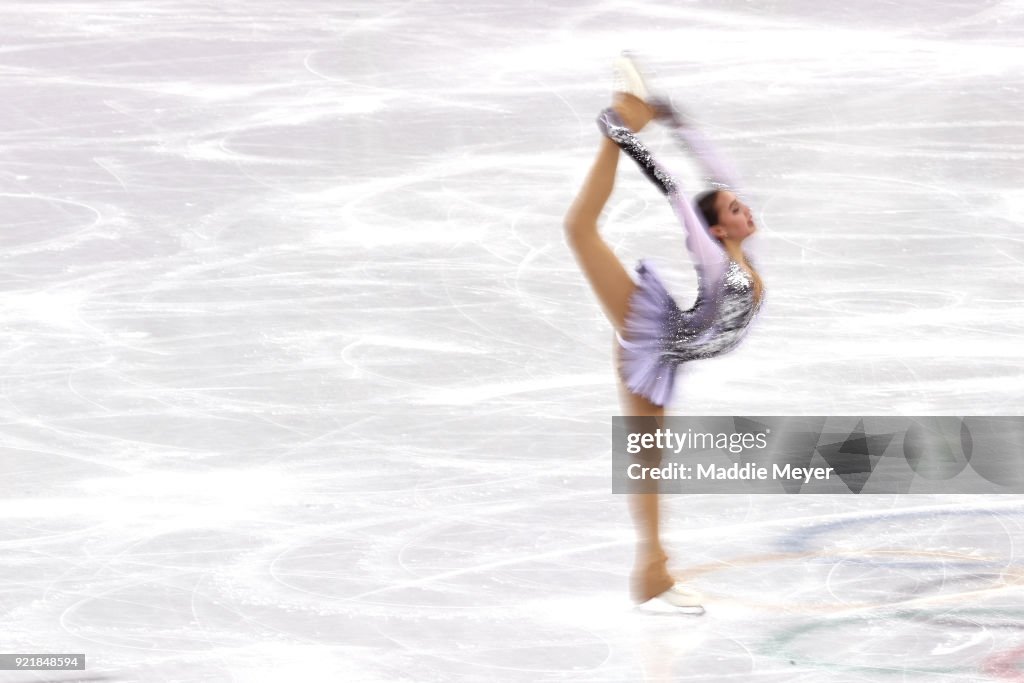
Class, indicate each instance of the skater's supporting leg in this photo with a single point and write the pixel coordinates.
(650, 572)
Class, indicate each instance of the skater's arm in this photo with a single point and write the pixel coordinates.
(716, 168)
(612, 126)
(707, 253)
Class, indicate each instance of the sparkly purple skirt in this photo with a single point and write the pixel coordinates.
(644, 367)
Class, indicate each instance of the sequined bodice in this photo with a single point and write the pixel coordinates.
(739, 303)
(717, 321)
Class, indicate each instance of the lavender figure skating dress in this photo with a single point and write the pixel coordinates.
(658, 334)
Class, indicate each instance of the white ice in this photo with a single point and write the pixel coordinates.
(301, 382)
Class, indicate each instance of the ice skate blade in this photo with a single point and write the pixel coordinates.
(666, 610)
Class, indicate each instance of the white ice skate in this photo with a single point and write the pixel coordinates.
(676, 600)
(628, 78)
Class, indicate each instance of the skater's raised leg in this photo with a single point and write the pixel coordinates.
(602, 268)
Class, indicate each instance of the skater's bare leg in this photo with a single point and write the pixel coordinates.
(650, 572)
(602, 268)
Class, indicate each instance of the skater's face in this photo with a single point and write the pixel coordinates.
(735, 222)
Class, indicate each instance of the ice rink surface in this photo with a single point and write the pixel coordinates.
(301, 382)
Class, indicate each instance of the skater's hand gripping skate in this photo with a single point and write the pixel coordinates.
(633, 111)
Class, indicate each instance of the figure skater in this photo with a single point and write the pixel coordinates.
(654, 335)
